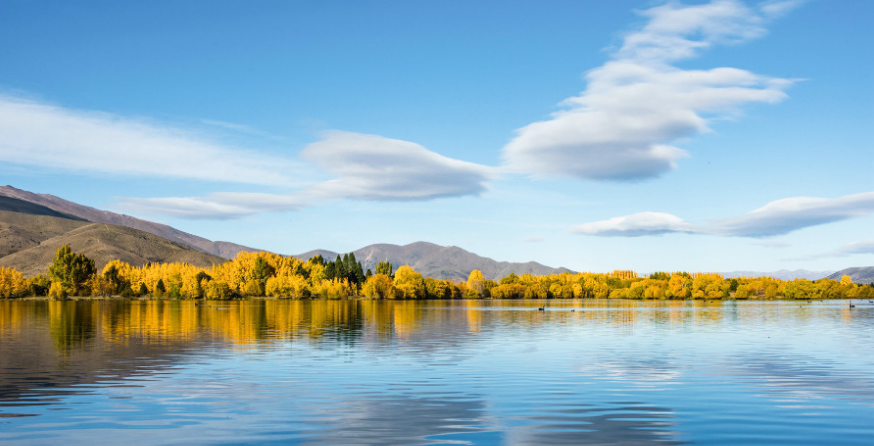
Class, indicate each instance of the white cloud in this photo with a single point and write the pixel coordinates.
(860, 247)
(853, 248)
(775, 218)
(635, 105)
(790, 214)
(636, 225)
(776, 8)
(368, 167)
(371, 167)
(532, 239)
(218, 206)
(38, 134)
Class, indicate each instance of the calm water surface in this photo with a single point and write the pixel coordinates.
(436, 372)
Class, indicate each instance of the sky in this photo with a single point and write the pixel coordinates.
(644, 135)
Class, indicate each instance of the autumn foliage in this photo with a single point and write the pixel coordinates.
(264, 274)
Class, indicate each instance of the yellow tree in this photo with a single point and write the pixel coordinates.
(410, 283)
(12, 283)
(476, 284)
(380, 286)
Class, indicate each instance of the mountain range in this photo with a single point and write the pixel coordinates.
(225, 250)
(439, 262)
(859, 274)
(783, 274)
(33, 226)
(30, 235)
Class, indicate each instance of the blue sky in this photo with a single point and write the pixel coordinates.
(701, 136)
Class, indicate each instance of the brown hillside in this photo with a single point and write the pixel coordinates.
(439, 262)
(28, 243)
(23, 231)
(223, 249)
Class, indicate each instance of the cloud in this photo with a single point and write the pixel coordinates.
(775, 218)
(218, 206)
(368, 167)
(790, 214)
(239, 128)
(532, 239)
(860, 247)
(636, 225)
(38, 134)
(620, 128)
(371, 167)
(853, 248)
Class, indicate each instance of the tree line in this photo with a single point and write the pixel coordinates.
(264, 274)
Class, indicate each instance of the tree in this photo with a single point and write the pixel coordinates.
(511, 279)
(410, 283)
(114, 283)
(71, 271)
(57, 291)
(39, 285)
(476, 284)
(380, 286)
(385, 268)
(262, 271)
(12, 283)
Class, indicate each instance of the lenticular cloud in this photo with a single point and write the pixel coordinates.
(637, 104)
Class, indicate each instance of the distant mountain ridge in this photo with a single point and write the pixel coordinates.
(29, 220)
(30, 235)
(439, 262)
(225, 250)
(783, 274)
(859, 274)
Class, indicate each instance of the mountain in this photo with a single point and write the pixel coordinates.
(439, 262)
(783, 274)
(859, 274)
(30, 234)
(225, 250)
(20, 231)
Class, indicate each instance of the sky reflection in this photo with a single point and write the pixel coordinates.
(442, 372)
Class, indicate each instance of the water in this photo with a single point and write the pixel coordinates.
(436, 372)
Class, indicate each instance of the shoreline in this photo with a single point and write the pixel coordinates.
(364, 298)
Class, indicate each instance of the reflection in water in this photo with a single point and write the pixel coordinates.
(628, 424)
(435, 372)
(404, 419)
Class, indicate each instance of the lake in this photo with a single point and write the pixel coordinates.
(610, 372)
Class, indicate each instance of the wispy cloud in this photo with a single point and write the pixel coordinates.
(790, 214)
(219, 206)
(372, 167)
(775, 218)
(39, 134)
(239, 128)
(620, 128)
(860, 247)
(368, 167)
(853, 248)
(636, 225)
